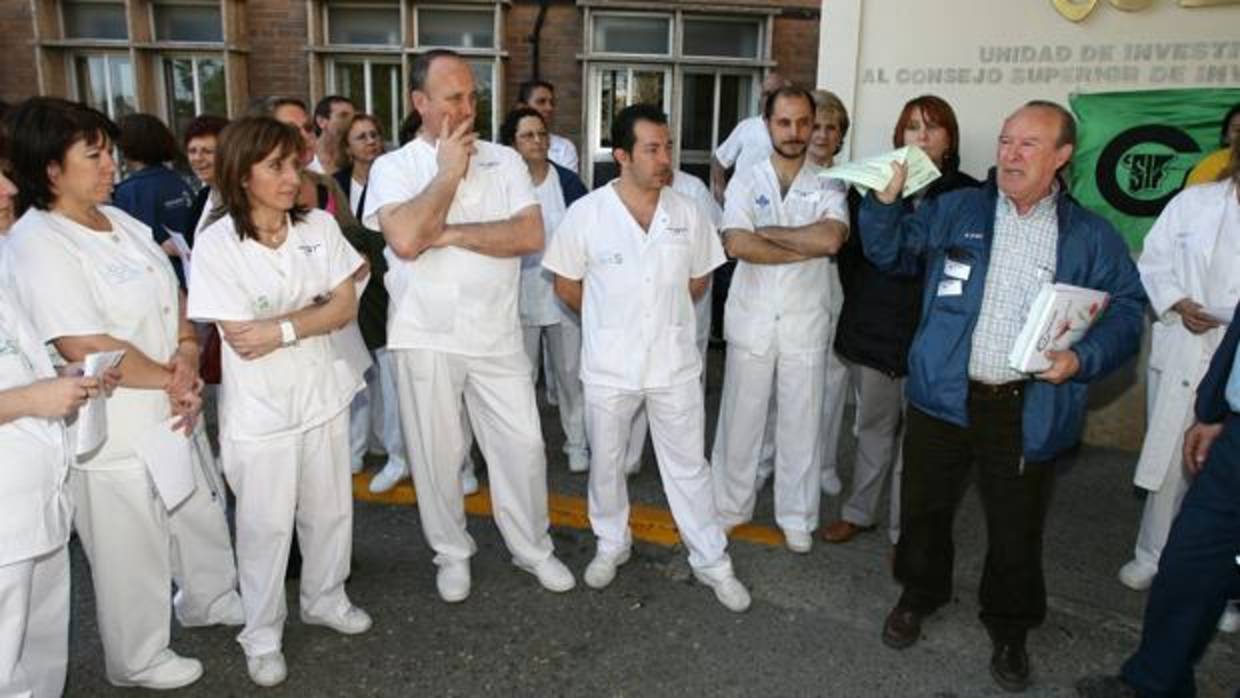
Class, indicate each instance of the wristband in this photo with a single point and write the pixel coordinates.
(288, 333)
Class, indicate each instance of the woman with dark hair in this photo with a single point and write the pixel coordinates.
(153, 193)
(201, 140)
(278, 281)
(115, 292)
(876, 327)
(361, 143)
(543, 316)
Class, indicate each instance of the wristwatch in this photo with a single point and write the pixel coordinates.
(288, 334)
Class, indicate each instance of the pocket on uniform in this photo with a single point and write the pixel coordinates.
(432, 306)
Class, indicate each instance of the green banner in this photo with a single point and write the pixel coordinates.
(1134, 150)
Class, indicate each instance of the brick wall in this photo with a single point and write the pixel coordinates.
(18, 78)
(560, 42)
(277, 58)
(795, 47)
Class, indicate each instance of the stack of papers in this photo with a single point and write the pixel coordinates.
(875, 172)
(92, 420)
(1061, 314)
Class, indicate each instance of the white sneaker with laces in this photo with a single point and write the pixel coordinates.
(551, 574)
(267, 670)
(389, 477)
(602, 569)
(578, 462)
(1137, 575)
(799, 542)
(169, 670)
(728, 589)
(354, 621)
(469, 482)
(453, 581)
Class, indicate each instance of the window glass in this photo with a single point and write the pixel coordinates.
(366, 25)
(716, 37)
(626, 34)
(734, 102)
(385, 99)
(697, 107)
(188, 22)
(456, 28)
(95, 20)
(180, 86)
(484, 84)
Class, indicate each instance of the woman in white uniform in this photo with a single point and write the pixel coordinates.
(1190, 266)
(115, 291)
(545, 321)
(35, 509)
(278, 281)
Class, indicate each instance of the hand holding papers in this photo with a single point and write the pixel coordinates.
(876, 172)
(1061, 314)
(92, 422)
(183, 249)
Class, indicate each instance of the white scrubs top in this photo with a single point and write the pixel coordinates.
(562, 152)
(638, 329)
(450, 299)
(74, 281)
(538, 304)
(694, 188)
(783, 306)
(747, 145)
(292, 389)
(35, 510)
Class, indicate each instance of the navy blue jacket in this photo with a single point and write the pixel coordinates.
(961, 223)
(570, 184)
(158, 197)
(1212, 405)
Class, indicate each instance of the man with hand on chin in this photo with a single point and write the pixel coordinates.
(458, 213)
(985, 254)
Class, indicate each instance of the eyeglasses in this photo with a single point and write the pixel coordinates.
(367, 136)
(530, 136)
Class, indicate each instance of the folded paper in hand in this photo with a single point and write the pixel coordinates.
(91, 427)
(875, 172)
(1061, 314)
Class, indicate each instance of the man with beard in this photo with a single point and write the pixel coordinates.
(784, 222)
(631, 257)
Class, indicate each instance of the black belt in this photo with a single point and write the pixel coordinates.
(1014, 388)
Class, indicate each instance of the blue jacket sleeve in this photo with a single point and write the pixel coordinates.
(1117, 335)
(1212, 404)
(893, 239)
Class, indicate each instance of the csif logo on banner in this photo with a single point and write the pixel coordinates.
(1078, 10)
(1143, 167)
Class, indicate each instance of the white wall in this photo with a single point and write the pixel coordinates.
(986, 57)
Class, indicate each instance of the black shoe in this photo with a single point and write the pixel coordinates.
(903, 628)
(1009, 666)
(1105, 687)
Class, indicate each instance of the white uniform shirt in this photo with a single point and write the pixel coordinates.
(783, 307)
(637, 319)
(292, 389)
(747, 145)
(538, 305)
(694, 188)
(562, 152)
(35, 509)
(450, 299)
(74, 281)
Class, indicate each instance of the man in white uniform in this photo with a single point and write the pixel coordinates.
(631, 257)
(457, 214)
(539, 95)
(332, 115)
(784, 222)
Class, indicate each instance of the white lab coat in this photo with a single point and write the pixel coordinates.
(747, 145)
(562, 152)
(283, 418)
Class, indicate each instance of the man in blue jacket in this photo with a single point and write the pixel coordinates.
(985, 254)
(1198, 571)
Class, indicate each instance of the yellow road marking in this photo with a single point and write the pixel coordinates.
(648, 523)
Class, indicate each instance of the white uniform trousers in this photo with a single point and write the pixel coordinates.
(880, 425)
(562, 342)
(838, 386)
(34, 626)
(373, 417)
(203, 565)
(124, 531)
(300, 480)
(677, 425)
(499, 399)
(1161, 505)
(795, 382)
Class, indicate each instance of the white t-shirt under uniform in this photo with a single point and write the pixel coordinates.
(637, 315)
(292, 389)
(450, 299)
(782, 307)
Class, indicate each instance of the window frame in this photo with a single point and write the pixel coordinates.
(594, 52)
(401, 8)
(753, 73)
(184, 3)
(367, 61)
(62, 5)
(166, 100)
(497, 28)
(75, 87)
(730, 19)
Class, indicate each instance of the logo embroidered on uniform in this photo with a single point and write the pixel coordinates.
(7, 346)
(262, 304)
(489, 164)
(310, 249)
(611, 258)
(973, 236)
(677, 230)
(762, 200)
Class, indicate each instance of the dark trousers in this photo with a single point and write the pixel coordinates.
(938, 459)
(1197, 573)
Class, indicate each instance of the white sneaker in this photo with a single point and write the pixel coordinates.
(226, 610)
(831, 485)
(389, 477)
(1137, 575)
(798, 541)
(633, 468)
(1229, 622)
(578, 462)
(452, 580)
(169, 670)
(551, 573)
(602, 569)
(353, 621)
(469, 482)
(357, 466)
(728, 590)
(267, 670)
